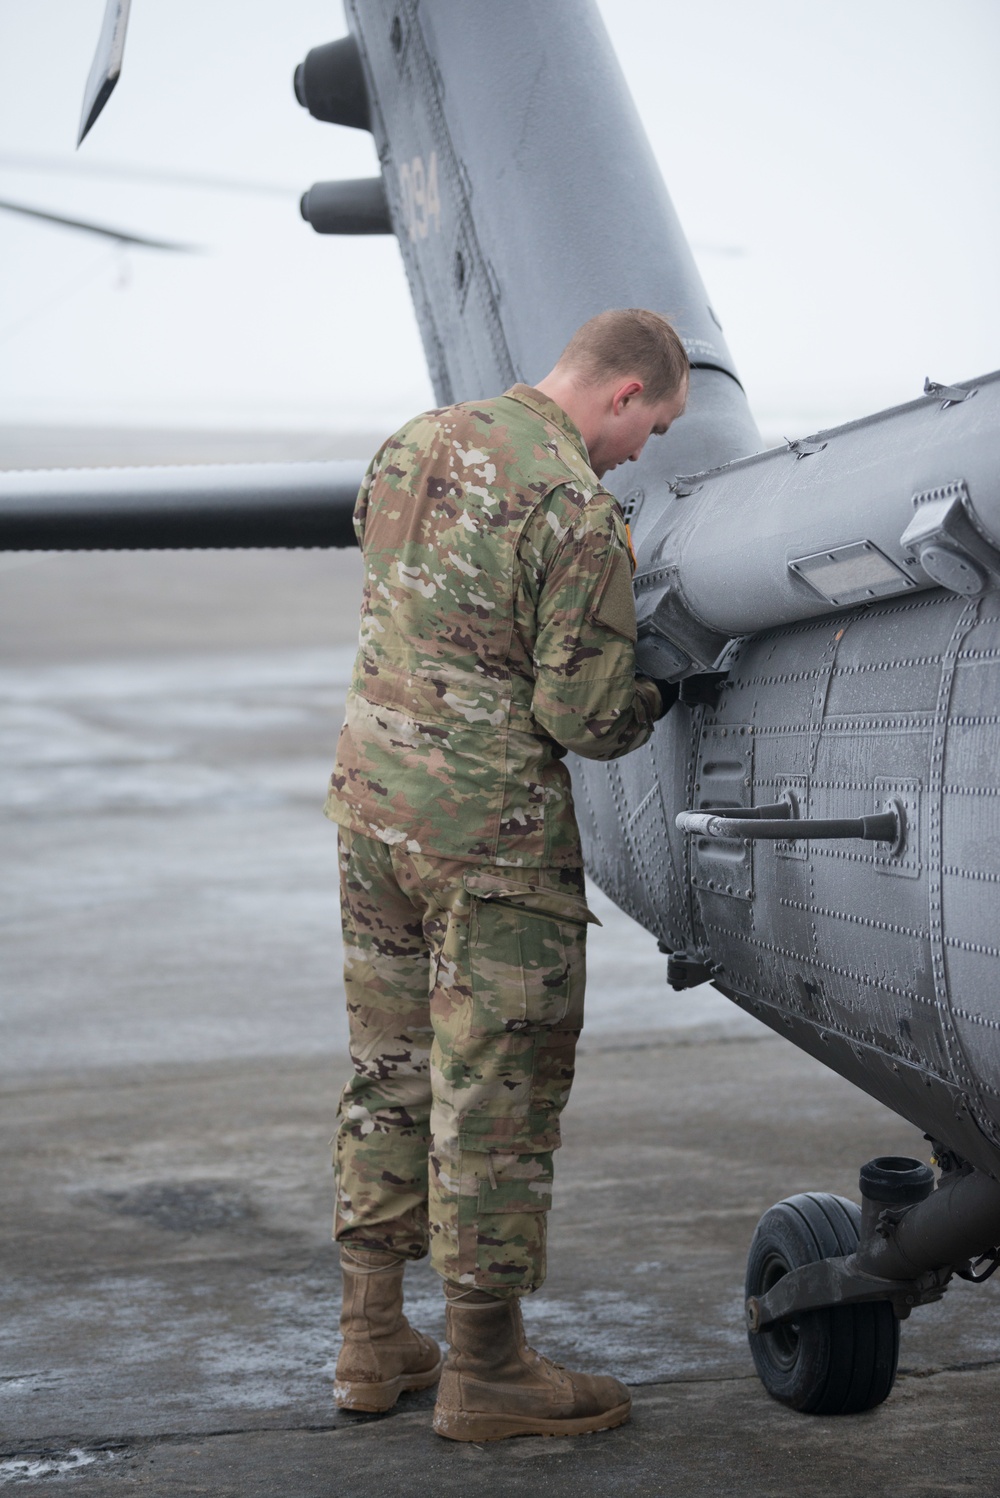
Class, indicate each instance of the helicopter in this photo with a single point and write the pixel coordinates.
(812, 828)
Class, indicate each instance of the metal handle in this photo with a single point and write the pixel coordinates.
(884, 827)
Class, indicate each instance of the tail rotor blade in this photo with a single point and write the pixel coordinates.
(107, 65)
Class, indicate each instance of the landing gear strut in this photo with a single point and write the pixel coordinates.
(827, 1284)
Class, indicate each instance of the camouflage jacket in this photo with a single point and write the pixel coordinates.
(497, 631)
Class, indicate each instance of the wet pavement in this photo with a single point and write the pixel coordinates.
(172, 1048)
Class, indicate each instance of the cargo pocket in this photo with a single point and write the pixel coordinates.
(527, 958)
(516, 1185)
(501, 1226)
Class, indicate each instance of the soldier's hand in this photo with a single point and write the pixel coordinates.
(669, 692)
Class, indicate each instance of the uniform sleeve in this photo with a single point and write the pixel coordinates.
(586, 695)
(361, 503)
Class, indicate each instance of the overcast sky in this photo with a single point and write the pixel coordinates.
(834, 163)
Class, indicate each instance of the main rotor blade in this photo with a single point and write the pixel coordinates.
(122, 236)
(75, 166)
(106, 68)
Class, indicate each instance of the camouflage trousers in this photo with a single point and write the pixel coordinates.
(465, 999)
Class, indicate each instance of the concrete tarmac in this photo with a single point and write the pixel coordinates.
(172, 1047)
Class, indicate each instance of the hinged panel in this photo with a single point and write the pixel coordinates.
(724, 781)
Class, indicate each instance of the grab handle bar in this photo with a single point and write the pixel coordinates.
(883, 827)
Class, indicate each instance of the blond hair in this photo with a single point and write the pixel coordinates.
(629, 341)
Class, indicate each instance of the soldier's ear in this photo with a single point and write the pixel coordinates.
(624, 393)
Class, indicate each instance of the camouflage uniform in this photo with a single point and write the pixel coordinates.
(497, 631)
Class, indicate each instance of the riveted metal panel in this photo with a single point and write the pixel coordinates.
(880, 960)
(725, 778)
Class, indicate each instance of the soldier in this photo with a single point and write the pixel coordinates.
(497, 632)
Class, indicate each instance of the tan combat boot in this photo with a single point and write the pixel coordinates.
(495, 1385)
(382, 1356)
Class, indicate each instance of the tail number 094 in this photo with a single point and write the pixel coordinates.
(418, 186)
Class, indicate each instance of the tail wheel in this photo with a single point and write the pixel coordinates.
(833, 1362)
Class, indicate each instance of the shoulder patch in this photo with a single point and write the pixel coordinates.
(615, 603)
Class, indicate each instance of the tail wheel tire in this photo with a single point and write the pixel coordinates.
(832, 1362)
